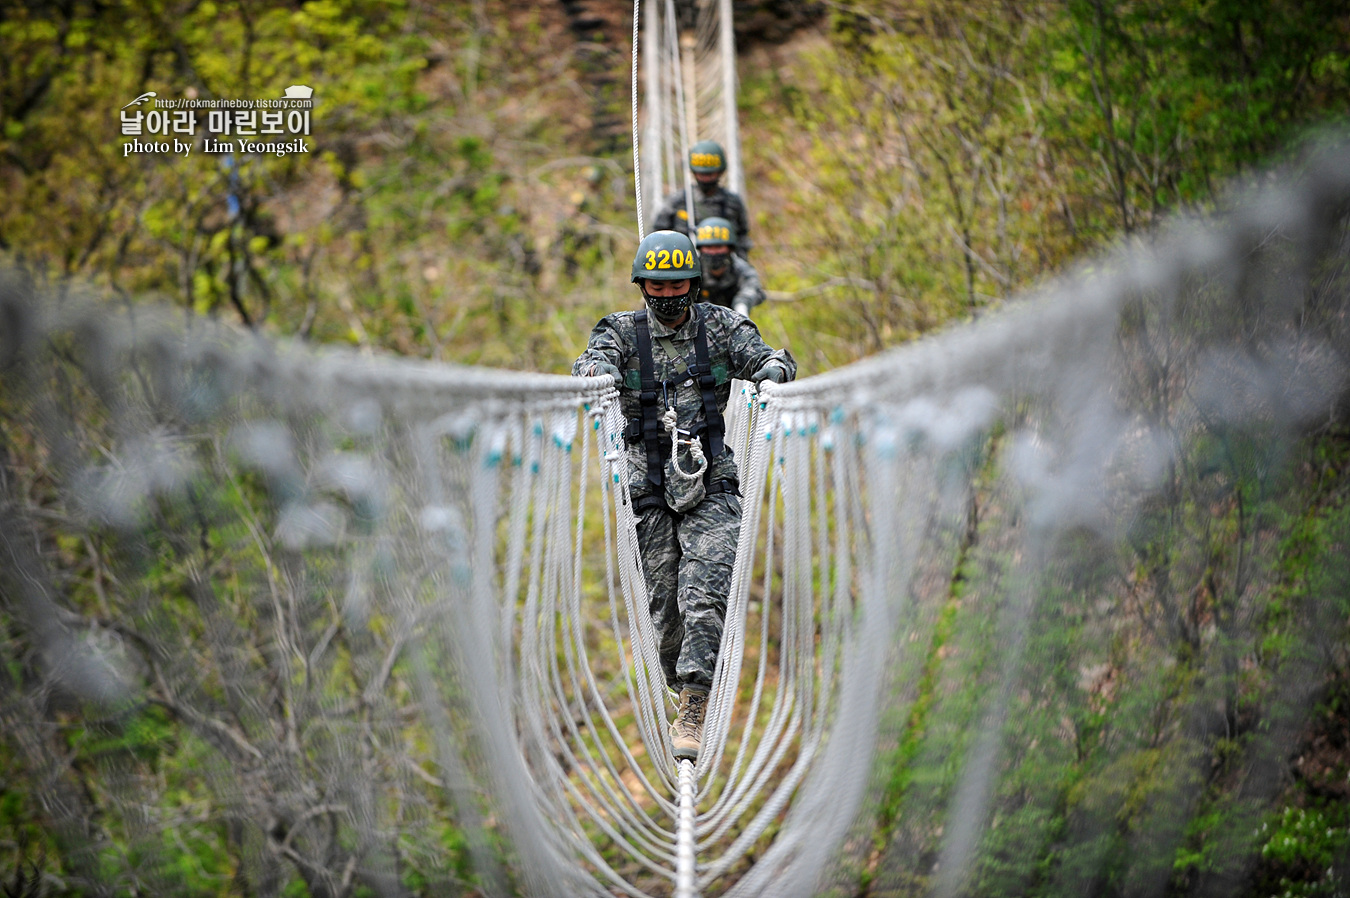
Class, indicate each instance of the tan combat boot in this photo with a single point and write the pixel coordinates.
(686, 733)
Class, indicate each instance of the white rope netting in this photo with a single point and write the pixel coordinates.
(688, 94)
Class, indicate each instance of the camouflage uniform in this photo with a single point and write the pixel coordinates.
(687, 558)
(674, 215)
(738, 285)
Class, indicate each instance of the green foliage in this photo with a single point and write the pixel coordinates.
(1301, 847)
(1173, 97)
(145, 733)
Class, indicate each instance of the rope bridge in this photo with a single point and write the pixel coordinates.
(688, 74)
(397, 611)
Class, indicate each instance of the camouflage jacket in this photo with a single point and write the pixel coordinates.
(738, 284)
(674, 216)
(735, 349)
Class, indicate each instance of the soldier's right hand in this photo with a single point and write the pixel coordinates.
(599, 368)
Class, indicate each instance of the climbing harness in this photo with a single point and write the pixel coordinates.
(657, 422)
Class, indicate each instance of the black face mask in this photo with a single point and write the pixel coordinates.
(670, 308)
(717, 264)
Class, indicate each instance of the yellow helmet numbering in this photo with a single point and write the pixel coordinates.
(715, 232)
(707, 158)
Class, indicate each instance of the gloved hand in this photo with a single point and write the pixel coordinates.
(598, 368)
(769, 371)
(742, 308)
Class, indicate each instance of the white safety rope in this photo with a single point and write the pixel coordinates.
(637, 159)
(671, 424)
(731, 134)
(685, 883)
(677, 63)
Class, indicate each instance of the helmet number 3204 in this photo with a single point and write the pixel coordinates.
(667, 258)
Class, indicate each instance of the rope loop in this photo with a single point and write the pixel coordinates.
(695, 448)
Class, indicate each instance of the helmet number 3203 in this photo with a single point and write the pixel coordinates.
(667, 258)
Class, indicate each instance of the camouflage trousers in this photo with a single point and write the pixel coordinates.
(687, 561)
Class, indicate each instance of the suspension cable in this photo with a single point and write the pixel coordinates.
(682, 111)
(637, 160)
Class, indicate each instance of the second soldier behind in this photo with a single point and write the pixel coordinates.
(707, 161)
(728, 280)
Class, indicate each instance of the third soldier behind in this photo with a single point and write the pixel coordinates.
(728, 280)
(707, 162)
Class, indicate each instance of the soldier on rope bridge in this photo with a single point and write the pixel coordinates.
(673, 363)
(707, 161)
(728, 280)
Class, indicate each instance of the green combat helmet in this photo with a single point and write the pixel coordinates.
(715, 231)
(706, 158)
(667, 256)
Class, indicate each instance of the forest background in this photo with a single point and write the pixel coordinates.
(909, 164)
